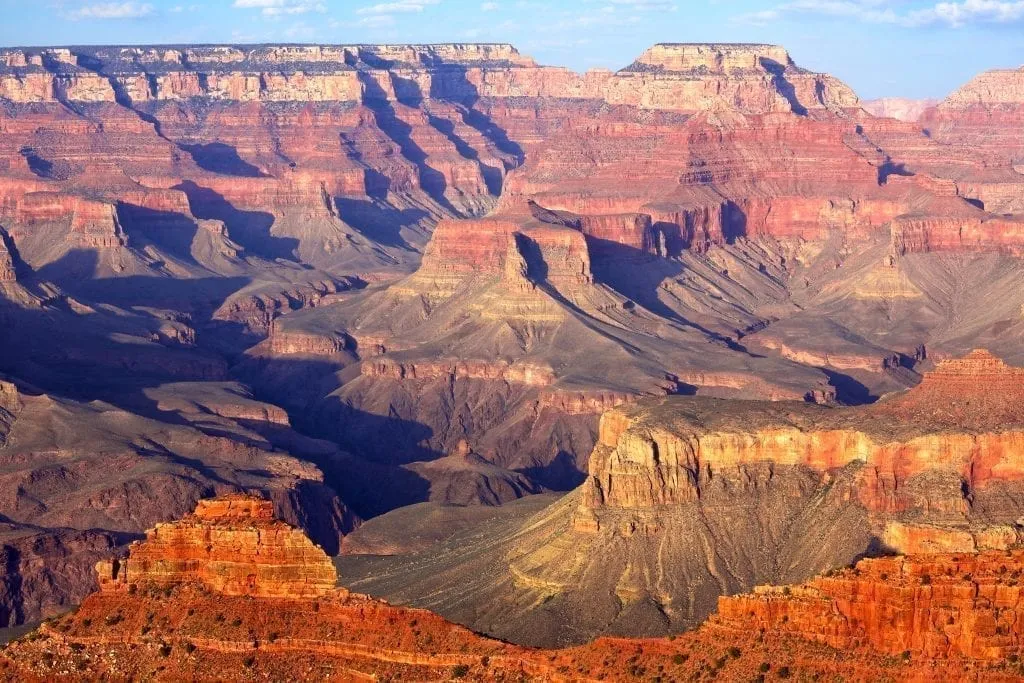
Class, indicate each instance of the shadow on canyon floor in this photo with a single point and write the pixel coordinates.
(250, 229)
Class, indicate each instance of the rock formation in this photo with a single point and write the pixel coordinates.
(466, 478)
(234, 546)
(948, 613)
(933, 606)
(985, 113)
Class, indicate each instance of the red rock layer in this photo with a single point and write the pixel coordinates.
(234, 546)
(937, 607)
(986, 114)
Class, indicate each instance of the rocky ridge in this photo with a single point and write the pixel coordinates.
(150, 623)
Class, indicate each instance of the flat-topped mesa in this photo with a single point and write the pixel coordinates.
(750, 78)
(962, 424)
(712, 57)
(998, 86)
(522, 249)
(937, 606)
(232, 545)
(985, 115)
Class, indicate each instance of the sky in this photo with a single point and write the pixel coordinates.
(903, 48)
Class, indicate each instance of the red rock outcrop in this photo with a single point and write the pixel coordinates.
(936, 607)
(964, 418)
(234, 546)
(986, 113)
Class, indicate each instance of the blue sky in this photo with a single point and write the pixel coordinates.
(912, 48)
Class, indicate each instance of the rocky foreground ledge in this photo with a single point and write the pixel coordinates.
(231, 593)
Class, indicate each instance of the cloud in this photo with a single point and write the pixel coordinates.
(953, 14)
(274, 8)
(489, 7)
(970, 11)
(112, 10)
(397, 7)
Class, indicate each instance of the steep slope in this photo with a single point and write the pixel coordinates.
(688, 499)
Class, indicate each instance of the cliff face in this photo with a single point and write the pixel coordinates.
(675, 77)
(937, 607)
(962, 420)
(986, 113)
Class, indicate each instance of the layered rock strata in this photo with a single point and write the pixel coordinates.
(931, 606)
(234, 546)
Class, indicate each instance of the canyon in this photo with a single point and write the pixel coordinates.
(688, 499)
(719, 313)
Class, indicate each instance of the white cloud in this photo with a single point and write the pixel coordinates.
(274, 8)
(970, 11)
(489, 7)
(953, 14)
(397, 7)
(112, 10)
